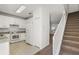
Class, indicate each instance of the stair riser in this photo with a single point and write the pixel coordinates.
(73, 24)
(71, 34)
(72, 27)
(72, 30)
(70, 38)
(69, 51)
(73, 20)
(67, 29)
(71, 44)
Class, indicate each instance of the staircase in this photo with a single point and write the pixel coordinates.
(70, 43)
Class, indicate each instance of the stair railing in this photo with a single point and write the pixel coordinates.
(58, 35)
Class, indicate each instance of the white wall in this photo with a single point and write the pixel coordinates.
(37, 27)
(39, 34)
(66, 8)
(5, 21)
(34, 30)
(58, 35)
(56, 13)
(45, 27)
(73, 8)
(29, 28)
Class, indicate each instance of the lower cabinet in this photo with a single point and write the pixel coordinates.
(22, 36)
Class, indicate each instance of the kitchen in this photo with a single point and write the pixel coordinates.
(22, 29)
(14, 33)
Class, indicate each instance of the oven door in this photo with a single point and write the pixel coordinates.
(15, 37)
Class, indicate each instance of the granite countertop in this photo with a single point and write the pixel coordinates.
(4, 32)
(21, 32)
(8, 32)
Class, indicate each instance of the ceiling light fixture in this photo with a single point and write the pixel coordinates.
(19, 10)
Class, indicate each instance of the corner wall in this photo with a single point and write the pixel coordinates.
(39, 34)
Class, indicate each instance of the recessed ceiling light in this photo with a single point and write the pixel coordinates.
(19, 10)
(29, 13)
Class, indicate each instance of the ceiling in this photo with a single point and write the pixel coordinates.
(11, 9)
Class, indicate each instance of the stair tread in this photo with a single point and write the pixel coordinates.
(71, 48)
(68, 53)
(72, 33)
(71, 41)
(72, 25)
(71, 36)
(70, 44)
(68, 50)
(71, 29)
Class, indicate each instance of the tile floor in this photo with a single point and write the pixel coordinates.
(21, 48)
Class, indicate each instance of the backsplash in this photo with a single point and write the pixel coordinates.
(4, 29)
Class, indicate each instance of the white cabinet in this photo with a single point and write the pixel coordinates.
(22, 36)
(29, 31)
(8, 36)
(4, 48)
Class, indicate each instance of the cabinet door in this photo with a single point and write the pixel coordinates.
(23, 36)
(8, 36)
(4, 48)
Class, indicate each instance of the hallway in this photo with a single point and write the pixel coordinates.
(70, 44)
